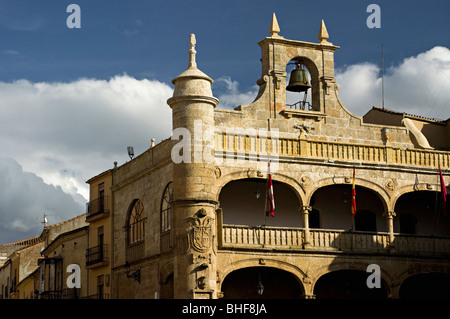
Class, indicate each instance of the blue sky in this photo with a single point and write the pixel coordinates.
(149, 38)
(72, 100)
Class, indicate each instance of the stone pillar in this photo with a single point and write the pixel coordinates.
(305, 217)
(390, 227)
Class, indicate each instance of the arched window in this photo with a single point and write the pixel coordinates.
(166, 208)
(136, 220)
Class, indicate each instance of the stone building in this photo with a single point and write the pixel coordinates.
(189, 214)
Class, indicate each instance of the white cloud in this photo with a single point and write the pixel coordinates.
(227, 91)
(69, 132)
(419, 85)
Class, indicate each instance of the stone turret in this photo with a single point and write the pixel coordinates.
(194, 200)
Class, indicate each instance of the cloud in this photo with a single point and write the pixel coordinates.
(227, 91)
(25, 198)
(418, 85)
(69, 132)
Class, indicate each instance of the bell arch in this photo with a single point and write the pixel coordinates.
(303, 63)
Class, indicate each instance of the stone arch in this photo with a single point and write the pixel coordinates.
(165, 271)
(298, 189)
(343, 265)
(243, 202)
(425, 285)
(412, 188)
(378, 190)
(300, 276)
(423, 202)
(332, 198)
(348, 284)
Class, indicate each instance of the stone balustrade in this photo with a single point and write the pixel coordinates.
(236, 144)
(329, 240)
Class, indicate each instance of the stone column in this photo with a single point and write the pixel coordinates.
(194, 201)
(390, 227)
(305, 217)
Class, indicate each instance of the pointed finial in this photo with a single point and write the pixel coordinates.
(192, 52)
(323, 34)
(274, 27)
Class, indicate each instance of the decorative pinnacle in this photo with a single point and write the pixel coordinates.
(192, 52)
(274, 27)
(323, 34)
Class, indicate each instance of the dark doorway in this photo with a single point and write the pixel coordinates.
(348, 284)
(276, 283)
(426, 286)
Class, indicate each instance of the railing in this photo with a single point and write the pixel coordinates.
(97, 254)
(251, 145)
(262, 237)
(349, 240)
(422, 245)
(97, 207)
(326, 240)
(300, 105)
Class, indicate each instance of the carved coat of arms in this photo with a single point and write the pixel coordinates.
(201, 236)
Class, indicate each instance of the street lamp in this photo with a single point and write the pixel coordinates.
(135, 275)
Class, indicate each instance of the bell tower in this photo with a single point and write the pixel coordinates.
(194, 201)
(318, 58)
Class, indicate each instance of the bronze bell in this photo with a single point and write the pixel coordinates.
(298, 82)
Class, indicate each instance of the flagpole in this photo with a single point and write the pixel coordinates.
(265, 202)
(436, 208)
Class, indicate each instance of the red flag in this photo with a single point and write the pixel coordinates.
(443, 192)
(353, 195)
(270, 197)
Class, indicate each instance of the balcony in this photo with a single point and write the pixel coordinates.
(330, 241)
(97, 256)
(229, 143)
(97, 209)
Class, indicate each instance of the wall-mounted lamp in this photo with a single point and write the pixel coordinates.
(135, 275)
(259, 286)
(130, 151)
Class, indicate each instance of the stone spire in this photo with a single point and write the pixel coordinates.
(192, 81)
(192, 52)
(323, 34)
(274, 27)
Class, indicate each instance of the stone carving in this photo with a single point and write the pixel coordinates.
(305, 181)
(201, 235)
(390, 185)
(218, 172)
(251, 173)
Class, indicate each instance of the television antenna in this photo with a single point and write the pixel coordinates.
(45, 219)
